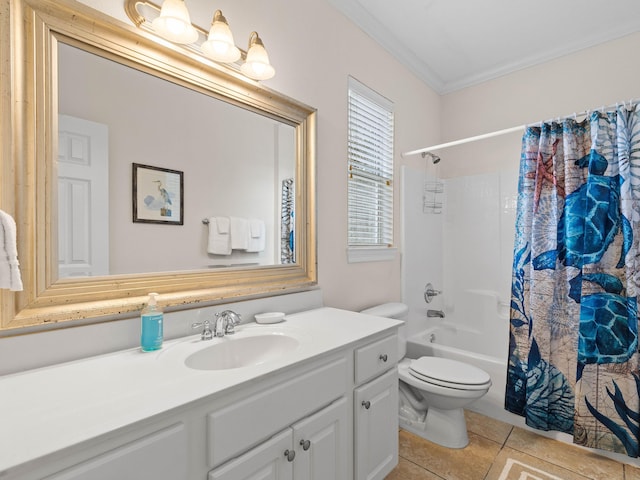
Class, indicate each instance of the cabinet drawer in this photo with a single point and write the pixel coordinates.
(375, 358)
(233, 429)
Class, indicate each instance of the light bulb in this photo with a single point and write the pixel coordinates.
(220, 45)
(174, 23)
(257, 65)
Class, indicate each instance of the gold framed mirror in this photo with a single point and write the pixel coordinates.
(33, 32)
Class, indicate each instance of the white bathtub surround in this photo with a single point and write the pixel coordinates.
(60, 416)
(467, 253)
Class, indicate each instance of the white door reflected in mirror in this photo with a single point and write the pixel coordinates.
(83, 192)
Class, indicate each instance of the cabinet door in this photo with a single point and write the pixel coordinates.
(321, 446)
(271, 460)
(161, 456)
(376, 427)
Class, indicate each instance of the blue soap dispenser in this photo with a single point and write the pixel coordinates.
(151, 319)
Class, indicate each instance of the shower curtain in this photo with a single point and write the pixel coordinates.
(287, 241)
(573, 344)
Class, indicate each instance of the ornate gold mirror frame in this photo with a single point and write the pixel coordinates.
(29, 34)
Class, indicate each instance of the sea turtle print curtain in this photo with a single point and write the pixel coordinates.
(287, 224)
(573, 343)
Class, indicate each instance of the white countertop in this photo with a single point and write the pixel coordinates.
(45, 410)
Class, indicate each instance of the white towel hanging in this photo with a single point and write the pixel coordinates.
(257, 235)
(219, 238)
(9, 266)
(239, 233)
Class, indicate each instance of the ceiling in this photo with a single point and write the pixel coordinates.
(453, 44)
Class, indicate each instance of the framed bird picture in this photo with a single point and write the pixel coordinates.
(158, 195)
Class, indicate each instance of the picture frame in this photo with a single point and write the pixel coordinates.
(158, 195)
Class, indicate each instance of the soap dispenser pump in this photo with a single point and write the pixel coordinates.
(151, 319)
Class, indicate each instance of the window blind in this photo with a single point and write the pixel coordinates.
(370, 168)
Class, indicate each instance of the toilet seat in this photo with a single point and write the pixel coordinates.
(449, 373)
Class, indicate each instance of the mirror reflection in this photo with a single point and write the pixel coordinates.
(237, 168)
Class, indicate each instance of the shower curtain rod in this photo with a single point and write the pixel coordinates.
(513, 129)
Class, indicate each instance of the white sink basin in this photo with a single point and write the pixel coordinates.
(241, 352)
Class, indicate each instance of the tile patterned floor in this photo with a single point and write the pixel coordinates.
(499, 451)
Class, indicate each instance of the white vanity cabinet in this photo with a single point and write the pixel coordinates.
(313, 449)
(161, 455)
(327, 413)
(268, 461)
(376, 409)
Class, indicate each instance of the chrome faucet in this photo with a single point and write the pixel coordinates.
(206, 334)
(435, 313)
(225, 323)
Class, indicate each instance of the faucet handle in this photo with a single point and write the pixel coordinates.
(430, 292)
(207, 334)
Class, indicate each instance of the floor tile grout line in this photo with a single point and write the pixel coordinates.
(422, 467)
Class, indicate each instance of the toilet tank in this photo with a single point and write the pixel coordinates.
(398, 311)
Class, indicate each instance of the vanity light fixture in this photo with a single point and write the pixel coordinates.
(257, 64)
(220, 45)
(174, 23)
(171, 21)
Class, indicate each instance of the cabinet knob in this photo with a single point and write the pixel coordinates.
(383, 357)
(366, 404)
(306, 444)
(290, 454)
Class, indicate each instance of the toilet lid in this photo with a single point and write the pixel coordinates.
(444, 371)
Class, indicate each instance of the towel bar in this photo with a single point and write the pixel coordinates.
(205, 221)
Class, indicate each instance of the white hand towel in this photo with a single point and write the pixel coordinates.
(239, 233)
(223, 224)
(257, 237)
(219, 238)
(9, 266)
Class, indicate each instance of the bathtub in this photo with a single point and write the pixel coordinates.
(466, 345)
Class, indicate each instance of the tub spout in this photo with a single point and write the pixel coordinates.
(435, 313)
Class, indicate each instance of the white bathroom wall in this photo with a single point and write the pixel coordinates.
(588, 79)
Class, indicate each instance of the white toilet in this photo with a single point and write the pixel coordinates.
(433, 390)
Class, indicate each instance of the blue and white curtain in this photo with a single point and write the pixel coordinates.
(573, 354)
(287, 223)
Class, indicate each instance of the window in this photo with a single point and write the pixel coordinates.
(370, 174)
